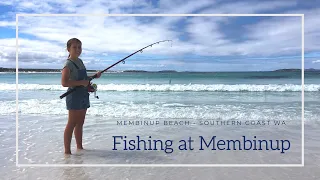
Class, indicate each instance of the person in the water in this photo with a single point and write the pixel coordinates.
(74, 75)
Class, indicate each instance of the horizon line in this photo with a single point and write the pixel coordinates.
(166, 70)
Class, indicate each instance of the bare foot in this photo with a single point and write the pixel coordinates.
(80, 148)
(67, 156)
(67, 152)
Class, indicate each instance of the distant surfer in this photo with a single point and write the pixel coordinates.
(74, 74)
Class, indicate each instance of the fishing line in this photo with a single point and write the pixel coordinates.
(93, 88)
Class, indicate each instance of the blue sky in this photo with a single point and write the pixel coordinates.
(199, 43)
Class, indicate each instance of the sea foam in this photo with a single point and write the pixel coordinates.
(175, 87)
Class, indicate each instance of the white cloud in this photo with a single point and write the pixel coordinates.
(185, 7)
(6, 2)
(248, 7)
(7, 23)
(274, 36)
(316, 61)
(30, 50)
(102, 35)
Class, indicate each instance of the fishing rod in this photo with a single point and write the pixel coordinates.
(122, 60)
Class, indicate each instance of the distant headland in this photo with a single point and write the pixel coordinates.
(139, 71)
(33, 70)
(298, 70)
(59, 70)
(164, 71)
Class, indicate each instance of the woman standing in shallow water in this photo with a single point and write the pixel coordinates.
(74, 74)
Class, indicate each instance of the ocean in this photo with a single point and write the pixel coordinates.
(225, 96)
(168, 106)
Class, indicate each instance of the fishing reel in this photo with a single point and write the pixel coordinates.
(93, 88)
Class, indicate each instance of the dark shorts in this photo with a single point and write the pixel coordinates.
(78, 100)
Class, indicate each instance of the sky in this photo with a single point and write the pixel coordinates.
(198, 43)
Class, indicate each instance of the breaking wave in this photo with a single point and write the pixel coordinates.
(176, 87)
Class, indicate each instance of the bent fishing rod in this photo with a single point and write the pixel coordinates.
(122, 60)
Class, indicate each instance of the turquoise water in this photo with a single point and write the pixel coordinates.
(176, 78)
(188, 95)
(195, 97)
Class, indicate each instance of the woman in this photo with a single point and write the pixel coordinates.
(74, 75)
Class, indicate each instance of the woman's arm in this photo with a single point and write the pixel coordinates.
(65, 82)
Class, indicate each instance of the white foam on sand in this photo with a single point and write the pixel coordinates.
(176, 87)
(41, 141)
(159, 110)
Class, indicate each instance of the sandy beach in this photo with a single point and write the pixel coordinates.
(41, 143)
(141, 119)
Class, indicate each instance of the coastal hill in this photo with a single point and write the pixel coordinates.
(163, 71)
(59, 70)
(297, 70)
(138, 71)
(34, 70)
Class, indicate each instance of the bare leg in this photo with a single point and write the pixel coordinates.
(78, 131)
(68, 131)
